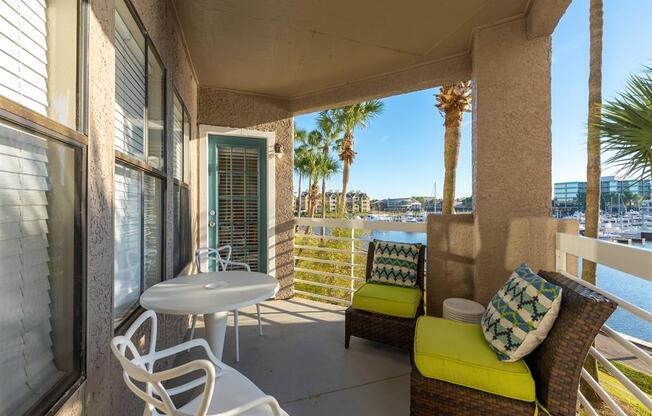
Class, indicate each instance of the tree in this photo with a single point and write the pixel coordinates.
(592, 214)
(348, 119)
(300, 161)
(593, 143)
(313, 150)
(325, 167)
(625, 127)
(453, 101)
(331, 132)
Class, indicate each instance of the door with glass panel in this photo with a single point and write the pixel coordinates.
(237, 198)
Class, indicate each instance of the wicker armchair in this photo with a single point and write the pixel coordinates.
(390, 330)
(555, 365)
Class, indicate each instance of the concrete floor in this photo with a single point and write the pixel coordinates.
(300, 359)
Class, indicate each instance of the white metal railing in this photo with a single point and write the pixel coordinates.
(331, 265)
(628, 259)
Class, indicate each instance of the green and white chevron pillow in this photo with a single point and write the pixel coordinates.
(521, 314)
(395, 263)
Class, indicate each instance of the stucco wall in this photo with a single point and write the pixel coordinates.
(104, 391)
(229, 109)
(452, 266)
(512, 151)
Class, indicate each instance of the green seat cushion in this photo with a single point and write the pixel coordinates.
(402, 302)
(457, 353)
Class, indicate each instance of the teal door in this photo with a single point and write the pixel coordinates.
(237, 170)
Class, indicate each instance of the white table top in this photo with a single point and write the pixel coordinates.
(209, 292)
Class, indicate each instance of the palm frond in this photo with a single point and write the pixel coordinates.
(625, 128)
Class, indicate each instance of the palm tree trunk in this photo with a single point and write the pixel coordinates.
(308, 196)
(593, 160)
(299, 207)
(345, 185)
(314, 190)
(453, 124)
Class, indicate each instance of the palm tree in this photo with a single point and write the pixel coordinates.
(300, 149)
(625, 127)
(592, 214)
(321, 166)
(453, 101)
(313, 145)
(331, 132)
(348, 119)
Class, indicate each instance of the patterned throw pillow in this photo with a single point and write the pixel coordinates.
(521, 314)
(395, 263)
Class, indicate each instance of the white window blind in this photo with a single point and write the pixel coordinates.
(23, 53)
(130, 98)
(152, 229)
(26, 358)
(128, 240)
(177, 140)
(238, 202)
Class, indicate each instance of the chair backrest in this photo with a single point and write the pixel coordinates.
(135, 369)
(138, 368)
(420, 264)
(220, 255)
(557, 363)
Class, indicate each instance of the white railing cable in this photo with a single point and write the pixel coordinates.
(326, 285)
(323, 297)
(609, 401)
(614, 371)
(331, 237)
(333, 262)
(352, 263)
(330, 250)
(629, 346)
(409, 227)
(641, 313)
(329, 274)
(625, 258)
(586, 405)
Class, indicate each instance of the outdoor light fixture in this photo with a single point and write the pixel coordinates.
(278, 150)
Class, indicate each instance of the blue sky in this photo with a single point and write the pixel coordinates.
(401, 153)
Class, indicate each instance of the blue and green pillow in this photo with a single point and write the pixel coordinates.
(395, 263)
(521, 314)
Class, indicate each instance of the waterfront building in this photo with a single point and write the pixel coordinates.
(356, 202)
(615, 194)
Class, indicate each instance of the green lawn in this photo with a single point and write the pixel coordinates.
(623, 397)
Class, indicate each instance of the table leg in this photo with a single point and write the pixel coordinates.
(215, 328)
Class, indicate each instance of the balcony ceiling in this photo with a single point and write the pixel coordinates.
(292, 48)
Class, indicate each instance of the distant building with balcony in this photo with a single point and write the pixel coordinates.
(356, 202)
(570, 197)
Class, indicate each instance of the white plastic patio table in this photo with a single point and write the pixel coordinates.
(212, 295)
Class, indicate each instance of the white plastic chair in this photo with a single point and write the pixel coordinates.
(224, 262)
(226, 392)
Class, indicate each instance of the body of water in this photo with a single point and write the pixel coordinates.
(630, 288)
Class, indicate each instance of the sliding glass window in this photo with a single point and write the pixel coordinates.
(39, 56)
(181, 195)
(140, 164)
(42, 196)
(40, 273)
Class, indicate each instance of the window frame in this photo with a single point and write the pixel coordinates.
(14, 114)
(144, 168)
(181, 183)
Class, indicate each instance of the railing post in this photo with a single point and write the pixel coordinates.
(352, 264)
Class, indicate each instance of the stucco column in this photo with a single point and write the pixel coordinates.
(99, 240)
(511, 147)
